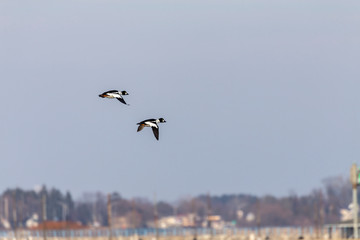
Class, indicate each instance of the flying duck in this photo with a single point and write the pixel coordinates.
(115, 94)
(151, 123)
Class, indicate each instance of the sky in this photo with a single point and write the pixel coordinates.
(260, 97)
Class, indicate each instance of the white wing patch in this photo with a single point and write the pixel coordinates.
(114, 95)
(151, 124)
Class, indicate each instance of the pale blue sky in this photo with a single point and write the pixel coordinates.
(260, 97)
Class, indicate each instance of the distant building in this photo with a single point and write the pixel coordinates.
(187, 220)
(214, 221)
(33, 221)
(169, 222)
(344, 229)
(53, 225)
(120, 222)
(5, 223)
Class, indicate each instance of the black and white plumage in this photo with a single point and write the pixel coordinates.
(153, 123)
(115, 94)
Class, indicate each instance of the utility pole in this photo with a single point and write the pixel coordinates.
(133, 220)
(193, 210)
(354, 173)
(109, 214)
(6, 210)
(208, 219)
(21, 211)
(355, 203)
(14, 213)
(44, 213)
(156, 218)
(321, 213)
(94, 213)
(258, 217)
(316, 218)
(208, 211)
(64, 210)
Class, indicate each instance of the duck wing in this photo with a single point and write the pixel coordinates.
(153, 120)
(156, 132)
(121, 100)
(107, 92)
(112, 91)
(141, 127)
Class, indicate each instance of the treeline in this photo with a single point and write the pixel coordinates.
(319, 207)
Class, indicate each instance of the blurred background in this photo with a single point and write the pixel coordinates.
(260, 98)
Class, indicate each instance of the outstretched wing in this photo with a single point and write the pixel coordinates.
(121, 100)
(112, 91)
(156, 132)
(148, 120)
(141, 127)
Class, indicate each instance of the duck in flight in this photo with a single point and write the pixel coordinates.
(153, 124)
(115, 94)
